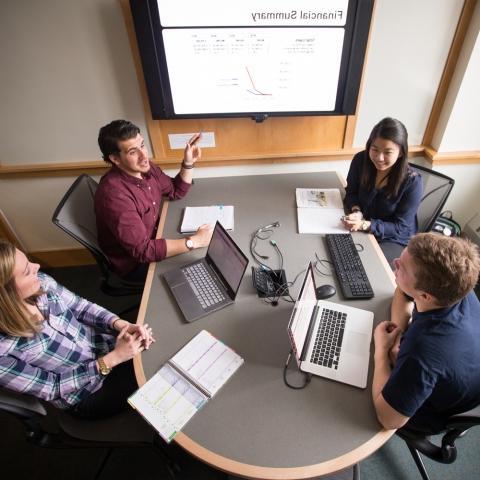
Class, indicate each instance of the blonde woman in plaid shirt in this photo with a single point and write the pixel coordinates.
(62, 348)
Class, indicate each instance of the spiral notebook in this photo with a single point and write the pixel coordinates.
(185, 383)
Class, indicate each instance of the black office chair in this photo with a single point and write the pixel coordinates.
(436, 189)
(49, 427)
(457, 426)
(75, 215)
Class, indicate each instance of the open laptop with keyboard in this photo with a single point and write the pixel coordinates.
(211, 283)
(348, 266)
(329, 339)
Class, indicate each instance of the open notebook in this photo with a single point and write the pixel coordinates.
(185, 383)
(319, 210)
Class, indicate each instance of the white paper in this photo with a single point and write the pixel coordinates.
(207, 361)
(319, 198)
(167, 401)
(316, 220)
(178, 141)
(195, 216)
(319, 210)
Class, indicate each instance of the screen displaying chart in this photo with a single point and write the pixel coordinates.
(254, 58)
(253, 70)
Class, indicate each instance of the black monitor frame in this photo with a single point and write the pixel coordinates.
(150, 43)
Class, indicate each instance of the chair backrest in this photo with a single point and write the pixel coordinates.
(53, 428)
(436, 189)
(75, 215)
(22, 406)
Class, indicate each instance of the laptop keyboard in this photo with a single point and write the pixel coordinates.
(203, 285)
(328, 342)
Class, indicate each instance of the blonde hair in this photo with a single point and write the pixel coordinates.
(446, 267)
(15, 319)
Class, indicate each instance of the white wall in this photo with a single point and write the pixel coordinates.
(458, 127)
(409, 45)
(464, 201)
(67, 69)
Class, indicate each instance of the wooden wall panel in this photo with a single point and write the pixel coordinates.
(237, 138)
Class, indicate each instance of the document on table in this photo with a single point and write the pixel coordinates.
(193, 217)
(319, 210)
(167, 401)
(185, 383)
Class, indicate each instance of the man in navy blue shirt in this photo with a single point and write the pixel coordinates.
(427, 357)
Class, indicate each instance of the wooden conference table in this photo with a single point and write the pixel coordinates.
(257, 427)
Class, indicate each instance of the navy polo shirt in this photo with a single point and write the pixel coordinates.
(437, 373)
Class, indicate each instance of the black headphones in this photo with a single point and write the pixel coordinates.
(253, 242)
(266, 227)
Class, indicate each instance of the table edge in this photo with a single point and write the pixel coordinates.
(283, 473)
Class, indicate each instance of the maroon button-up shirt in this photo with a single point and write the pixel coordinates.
(127, 210)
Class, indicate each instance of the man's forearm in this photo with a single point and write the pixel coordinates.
(401, 310)
(386, 414)
(381, 373)
(186, 174)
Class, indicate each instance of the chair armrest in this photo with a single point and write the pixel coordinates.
(465, 420)
(21, 405)
(421, 442)
(456, 426)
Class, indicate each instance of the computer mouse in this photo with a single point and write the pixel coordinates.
(325, 291)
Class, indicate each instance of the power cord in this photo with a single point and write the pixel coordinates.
(307, 376)
(274, 299)
(324, 263)
(264, 233)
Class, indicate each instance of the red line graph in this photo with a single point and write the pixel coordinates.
(254, 90)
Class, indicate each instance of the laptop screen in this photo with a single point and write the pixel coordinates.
(227, 258)
(302, 314)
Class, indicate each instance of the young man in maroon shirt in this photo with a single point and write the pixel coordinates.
(128, 199)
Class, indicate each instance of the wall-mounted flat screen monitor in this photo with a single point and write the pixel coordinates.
(257, 58)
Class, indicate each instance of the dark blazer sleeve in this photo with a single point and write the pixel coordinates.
(402, 224)
(353, 181)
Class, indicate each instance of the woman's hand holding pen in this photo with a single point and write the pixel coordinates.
(353, 222)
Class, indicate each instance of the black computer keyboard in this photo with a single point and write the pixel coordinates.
(348, 266)
(329, 338)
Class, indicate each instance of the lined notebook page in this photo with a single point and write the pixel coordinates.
(207, 362)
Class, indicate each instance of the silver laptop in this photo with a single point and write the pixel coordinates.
(211, 283)
(328, 339)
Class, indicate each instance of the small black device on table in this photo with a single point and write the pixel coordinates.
(269, 283)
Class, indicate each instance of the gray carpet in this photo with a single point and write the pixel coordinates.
(20, 460)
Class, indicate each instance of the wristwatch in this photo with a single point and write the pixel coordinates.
(104, 370)
(189, 243)
(364, 226)
(187, 166)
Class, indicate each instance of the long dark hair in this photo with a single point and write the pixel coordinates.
(395, 131)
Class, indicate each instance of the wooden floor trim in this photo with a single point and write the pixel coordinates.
(69, 257)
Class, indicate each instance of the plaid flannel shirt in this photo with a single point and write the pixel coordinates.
(58, 364)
